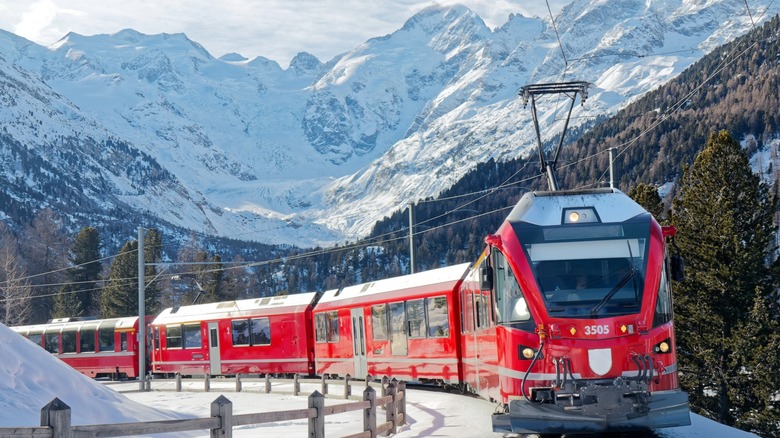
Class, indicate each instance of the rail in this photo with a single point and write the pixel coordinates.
(56, 416)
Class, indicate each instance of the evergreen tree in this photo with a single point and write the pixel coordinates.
(214, 282)
(152, 254)
(647, 196)
(726, 308)
(76, 297)
(46, 255)
(120, 296)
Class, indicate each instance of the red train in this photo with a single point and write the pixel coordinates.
(565, 320)
(96, 348)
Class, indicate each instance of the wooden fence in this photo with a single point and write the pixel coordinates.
(56, 416)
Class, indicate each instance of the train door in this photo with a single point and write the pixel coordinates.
(215, 365)
(398, 330)
(359, 343)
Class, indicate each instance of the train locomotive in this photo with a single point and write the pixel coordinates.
(584, 338)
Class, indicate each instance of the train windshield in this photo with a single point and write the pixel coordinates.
(589, 271)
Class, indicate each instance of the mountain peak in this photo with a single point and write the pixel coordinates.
(305, 64)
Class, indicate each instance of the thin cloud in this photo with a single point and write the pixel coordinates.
(275, 29)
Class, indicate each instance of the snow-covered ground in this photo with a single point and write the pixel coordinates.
(30, 378)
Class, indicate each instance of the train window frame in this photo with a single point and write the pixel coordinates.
(122, 341)
(508, 296)
(264, 323)
(397, 346)
(664, 310)
(84, 341)
(445, 327)
(104, 335)
(379, 319)
(192, 336)
(52, 347)
(176, 337)
(240, 336)
(68, 341)
(326, 327)
(415, 319)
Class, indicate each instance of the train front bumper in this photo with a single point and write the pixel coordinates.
(658, 410)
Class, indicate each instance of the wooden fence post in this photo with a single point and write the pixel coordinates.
(222, 408)
(385, 382)
(56, 415)
(369, 414)
(324, 385)
(296, 385)
(347, 387)
(207, 383)
(390, 409)
(238, 382)
(178, 382)
(402, 405)
(267, 383)
(317, 424)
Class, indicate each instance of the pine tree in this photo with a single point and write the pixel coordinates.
(76, 297)
(647, 196)
(724, 216)
(152, 254)
(120, 296)
(46, 255)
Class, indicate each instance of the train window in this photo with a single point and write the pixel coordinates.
(52, 343)
(106, 339)
(438, 318)
(69, 341)
(510, 301)
(415, 317)
(663, 307)
(240, 332)
(261, 331)
(36, 338)
(123, 341)
(156, 338)
(87, 341)
(173, 335)
(192, 337)
(398, 337)
(379, 321)
(327, 326)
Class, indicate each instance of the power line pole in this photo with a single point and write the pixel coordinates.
(411, 237)
(141, 312)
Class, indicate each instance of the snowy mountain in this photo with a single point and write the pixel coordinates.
(315, 153)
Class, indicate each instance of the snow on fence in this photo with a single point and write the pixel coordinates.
(56, 416)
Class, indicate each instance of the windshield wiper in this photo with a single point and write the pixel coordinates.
(629, 275)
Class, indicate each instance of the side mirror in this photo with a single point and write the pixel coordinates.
(486, 278)
(678, 268)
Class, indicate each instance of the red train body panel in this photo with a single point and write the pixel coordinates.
(405, 327)
(95, 348)
(255, 336)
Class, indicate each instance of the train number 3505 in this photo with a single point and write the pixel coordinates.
(597, 329)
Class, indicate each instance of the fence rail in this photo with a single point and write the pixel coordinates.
(56, 416)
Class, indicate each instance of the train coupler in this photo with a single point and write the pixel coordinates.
(622, 405)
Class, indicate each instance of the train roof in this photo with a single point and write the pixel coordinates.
(63, 324)
(239, 308)
(442, 278)
(547, 208)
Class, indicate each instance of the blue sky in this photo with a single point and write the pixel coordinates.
(276, 29)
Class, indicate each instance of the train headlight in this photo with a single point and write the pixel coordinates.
(581, 215)
(525, 353)
(662, 347)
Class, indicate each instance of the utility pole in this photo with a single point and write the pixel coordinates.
(611, 168)
(411, 237)
(141, 312)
